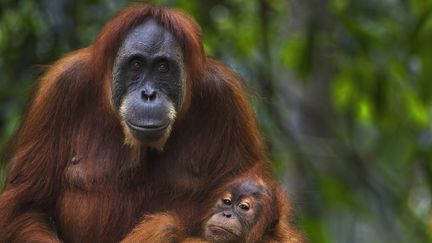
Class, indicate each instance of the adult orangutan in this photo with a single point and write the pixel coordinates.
(121, 133)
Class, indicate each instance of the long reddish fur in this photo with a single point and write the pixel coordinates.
(71, 176)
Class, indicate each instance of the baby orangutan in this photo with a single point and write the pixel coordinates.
(247, 212)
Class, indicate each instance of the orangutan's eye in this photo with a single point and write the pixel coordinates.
(244, 206)
(136, 64)
(227, 201)
(163, 67)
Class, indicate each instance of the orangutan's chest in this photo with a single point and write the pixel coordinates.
(91, 216)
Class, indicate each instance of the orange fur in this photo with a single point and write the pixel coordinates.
(31, 227)
(157, 228)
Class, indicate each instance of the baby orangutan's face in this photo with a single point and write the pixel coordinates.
(234, 214)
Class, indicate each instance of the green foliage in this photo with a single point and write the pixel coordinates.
(344, 97)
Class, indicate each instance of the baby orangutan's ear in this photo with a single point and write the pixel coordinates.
(273, 225)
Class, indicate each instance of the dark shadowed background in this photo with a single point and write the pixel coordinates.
(344, 97)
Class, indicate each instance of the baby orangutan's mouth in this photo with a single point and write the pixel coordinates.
(217, 229)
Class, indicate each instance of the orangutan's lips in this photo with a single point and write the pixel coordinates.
(147, 128)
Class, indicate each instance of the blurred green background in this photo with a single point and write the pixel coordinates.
(344, 96)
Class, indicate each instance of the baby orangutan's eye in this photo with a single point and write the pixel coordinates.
(227, 201)
(244, 206)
